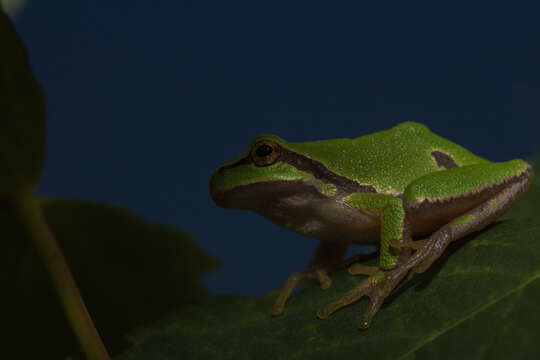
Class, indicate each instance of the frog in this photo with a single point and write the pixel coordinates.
(406, 190)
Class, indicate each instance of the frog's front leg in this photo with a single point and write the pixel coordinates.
(327, 259)
(395, 232)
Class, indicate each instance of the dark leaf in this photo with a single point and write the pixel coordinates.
(129, 272)
(478, 301)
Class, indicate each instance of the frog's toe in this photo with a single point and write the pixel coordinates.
(324, 278)
(375, 303)
(377, 287)
(352, 296)
(299, 278)
(360, 269)
(277, 309)
(296, 279)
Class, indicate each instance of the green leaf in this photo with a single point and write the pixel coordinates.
(128, 271)
(480, 300)
(528, 206)
(22, 114)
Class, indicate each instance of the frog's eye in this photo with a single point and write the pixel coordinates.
(265, 153)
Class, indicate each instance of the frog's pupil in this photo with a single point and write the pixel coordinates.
(264, 150)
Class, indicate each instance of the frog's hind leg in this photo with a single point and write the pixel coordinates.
(506, 183)
(491, 202)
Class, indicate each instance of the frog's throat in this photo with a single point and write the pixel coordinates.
(310, 166)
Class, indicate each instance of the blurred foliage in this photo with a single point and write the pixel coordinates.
(128, 271)
(22, 115)
(13, 7)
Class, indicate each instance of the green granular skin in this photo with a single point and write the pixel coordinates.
(389, 160)
(462, 180)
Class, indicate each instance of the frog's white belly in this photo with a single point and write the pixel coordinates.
(323, 218)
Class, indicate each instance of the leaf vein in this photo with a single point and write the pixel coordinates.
(485, 350)
(467, 317)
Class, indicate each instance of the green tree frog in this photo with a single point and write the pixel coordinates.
(405, 188)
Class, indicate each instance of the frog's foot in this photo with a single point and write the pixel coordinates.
(377, 287)
(327, 259)
(299, 278)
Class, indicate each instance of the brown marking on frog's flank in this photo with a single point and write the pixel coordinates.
(443, 160)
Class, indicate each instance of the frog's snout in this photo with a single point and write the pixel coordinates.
(219, 192)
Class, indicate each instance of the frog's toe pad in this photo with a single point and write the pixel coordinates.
(276, 311)
(324, 278)
(303, 277)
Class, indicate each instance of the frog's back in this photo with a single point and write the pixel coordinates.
(389, 160)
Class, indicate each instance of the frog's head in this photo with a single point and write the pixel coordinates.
(259, 175)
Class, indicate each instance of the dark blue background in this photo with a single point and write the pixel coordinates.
(146, 98)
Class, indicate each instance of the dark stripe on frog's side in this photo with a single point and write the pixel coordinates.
(443, 160)
(318, 170)
(322, 173)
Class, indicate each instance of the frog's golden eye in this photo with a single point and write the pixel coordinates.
(265, 153)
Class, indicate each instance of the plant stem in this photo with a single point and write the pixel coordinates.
(38, 229)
